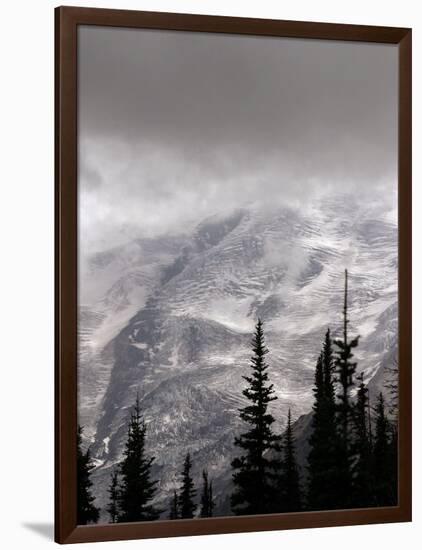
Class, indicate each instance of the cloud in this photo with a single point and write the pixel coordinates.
(89, 175)
(175, 126)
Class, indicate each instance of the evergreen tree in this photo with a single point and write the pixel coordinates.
(323, 489)
(86, 511)
(207, 502)
(211, 503)
(392, 387)
(255, 471)
(187, 492)
(362, 468)
(393, 460)
(137, 488)
(345, 369)
(385, 494)
(328, 367)
(174, 507)
(291, 500)
(113, 492)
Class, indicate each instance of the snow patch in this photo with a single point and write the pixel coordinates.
(231, 312)
(139, 345)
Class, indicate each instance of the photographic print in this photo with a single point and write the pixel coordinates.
(237, 314)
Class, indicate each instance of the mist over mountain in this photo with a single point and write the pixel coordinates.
(171, 318)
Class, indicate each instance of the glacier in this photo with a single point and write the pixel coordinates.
(171, 318)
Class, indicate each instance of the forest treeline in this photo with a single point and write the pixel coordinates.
(351, 463)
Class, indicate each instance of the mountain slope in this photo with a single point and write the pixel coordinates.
(189, 305)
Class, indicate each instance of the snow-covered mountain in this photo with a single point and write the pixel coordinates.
(172, 318)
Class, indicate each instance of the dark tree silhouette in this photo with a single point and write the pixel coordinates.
(393, 460)
(87, 512)
(385, 490)
(323, 488)
(255, 471)
(174, 507)
(345, 369)
(363, 491)
(113, 495)
(207, 502)
(291, 500)
(187, 492)
(392, 387)
(328, 367)
(137, 488)
(211, 502)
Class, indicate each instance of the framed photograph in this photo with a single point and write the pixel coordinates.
(233, 274)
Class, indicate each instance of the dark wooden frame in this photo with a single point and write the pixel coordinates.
(66, 21)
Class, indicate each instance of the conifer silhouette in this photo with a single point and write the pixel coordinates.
(291, 499)
(385, 490)
(187, 493)
(255, 470)
(323, 488)
(345, 370)
(174, 507)
(113, 493)
(87, 512)
(137, 488)
(363, 491)
(207, 501)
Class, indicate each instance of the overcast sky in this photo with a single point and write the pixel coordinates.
(176, 126)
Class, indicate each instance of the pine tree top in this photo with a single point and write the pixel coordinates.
(255, 470)
(137, 487)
